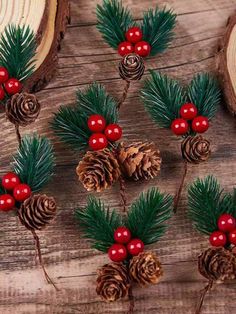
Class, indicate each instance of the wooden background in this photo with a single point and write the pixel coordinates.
(70, 261)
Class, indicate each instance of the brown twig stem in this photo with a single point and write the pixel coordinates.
(122, 193)
(124, 95)
(18, 136)
(203, 295)
(179, 192)
(131, 301)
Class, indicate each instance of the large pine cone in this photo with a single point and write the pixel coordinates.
(131, 67)
(145, 268)
(22, 109)
(217, 264)
(139, 160)
(37, 211)
(98, 170)
(195, 149)
(113, 282)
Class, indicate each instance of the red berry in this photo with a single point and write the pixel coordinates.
(134, 35)
(3, 75)
(226, 223)
(179, 126)
(135, 246)
(97, 141)
(96, 123)
(125, 48)
(2, 93)
(10, 181)
(113, 132)
(200, 124)
(218, 238)
(13, 86)
(122, 235)
(188, 111)
(7, 202)
(21, 192)
(117, 253)
(232, 237)
(142, 49)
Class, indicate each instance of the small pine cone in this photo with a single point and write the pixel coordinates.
(139, 160)
(98, 170)
(195, 149)
(37, 211)
(145, 268)
(113, 282)
(131, 67)
(217, 264)
(22, 109)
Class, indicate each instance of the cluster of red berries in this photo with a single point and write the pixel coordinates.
(124, 245)
(226, 233)
(99, 140)
(8, 85)
(189, 119)
(134, 43)
(17, 191)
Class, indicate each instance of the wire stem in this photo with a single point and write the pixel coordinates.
(203, 295)
(179, 192)
(123, 193)
(18, 136)
(131, 301)
(124, 95)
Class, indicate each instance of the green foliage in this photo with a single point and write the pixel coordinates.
(17, 51)
(113, 21)
(207, 202)
(34, 161)
(2, 190)
(70, 123)
(162, 97)
(157, 27)
(205, 93)
(98, 224)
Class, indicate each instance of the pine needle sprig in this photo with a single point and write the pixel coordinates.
(148, 214)
(205, 93)
(113, 21)
(34, 161)
(17, 51)
(157, 27)
(163, 98)
(98, 224)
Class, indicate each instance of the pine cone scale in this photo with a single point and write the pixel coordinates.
(195, 149)
(131, 67)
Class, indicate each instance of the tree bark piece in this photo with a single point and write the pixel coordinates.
(48, 19)
(226, 63)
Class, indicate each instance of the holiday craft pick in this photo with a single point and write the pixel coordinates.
(213, 213)
(134, 40)
(124, 239)
(186, 111)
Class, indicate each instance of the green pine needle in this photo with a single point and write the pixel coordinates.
(98, 224)
(148, 214)
(205, 93)
(70, 123)
(17, 51)
(157, 27)
(34, 161)
(207, 203)
(113, 21)
(2, 190)
(163, 98)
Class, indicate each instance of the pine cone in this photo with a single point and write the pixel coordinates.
(37, 211)
(131, 67)
(22, 109)
(98, 170)
(139, 160)
(145, 269)
(113, 282)
(195, 149)
(217, 264)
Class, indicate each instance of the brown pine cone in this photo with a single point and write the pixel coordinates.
(131, 67)
(22, 109)
(98, 170)
(195, 149)
(37, 211)
(113, 282)
(145, 268)
(217, 264)
(139, 160)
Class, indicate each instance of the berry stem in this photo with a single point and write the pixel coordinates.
(131, 301)
(122, 193)
(203, 295)
(124, 95)
(179, 192)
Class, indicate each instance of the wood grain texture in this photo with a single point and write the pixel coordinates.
(69, 260)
